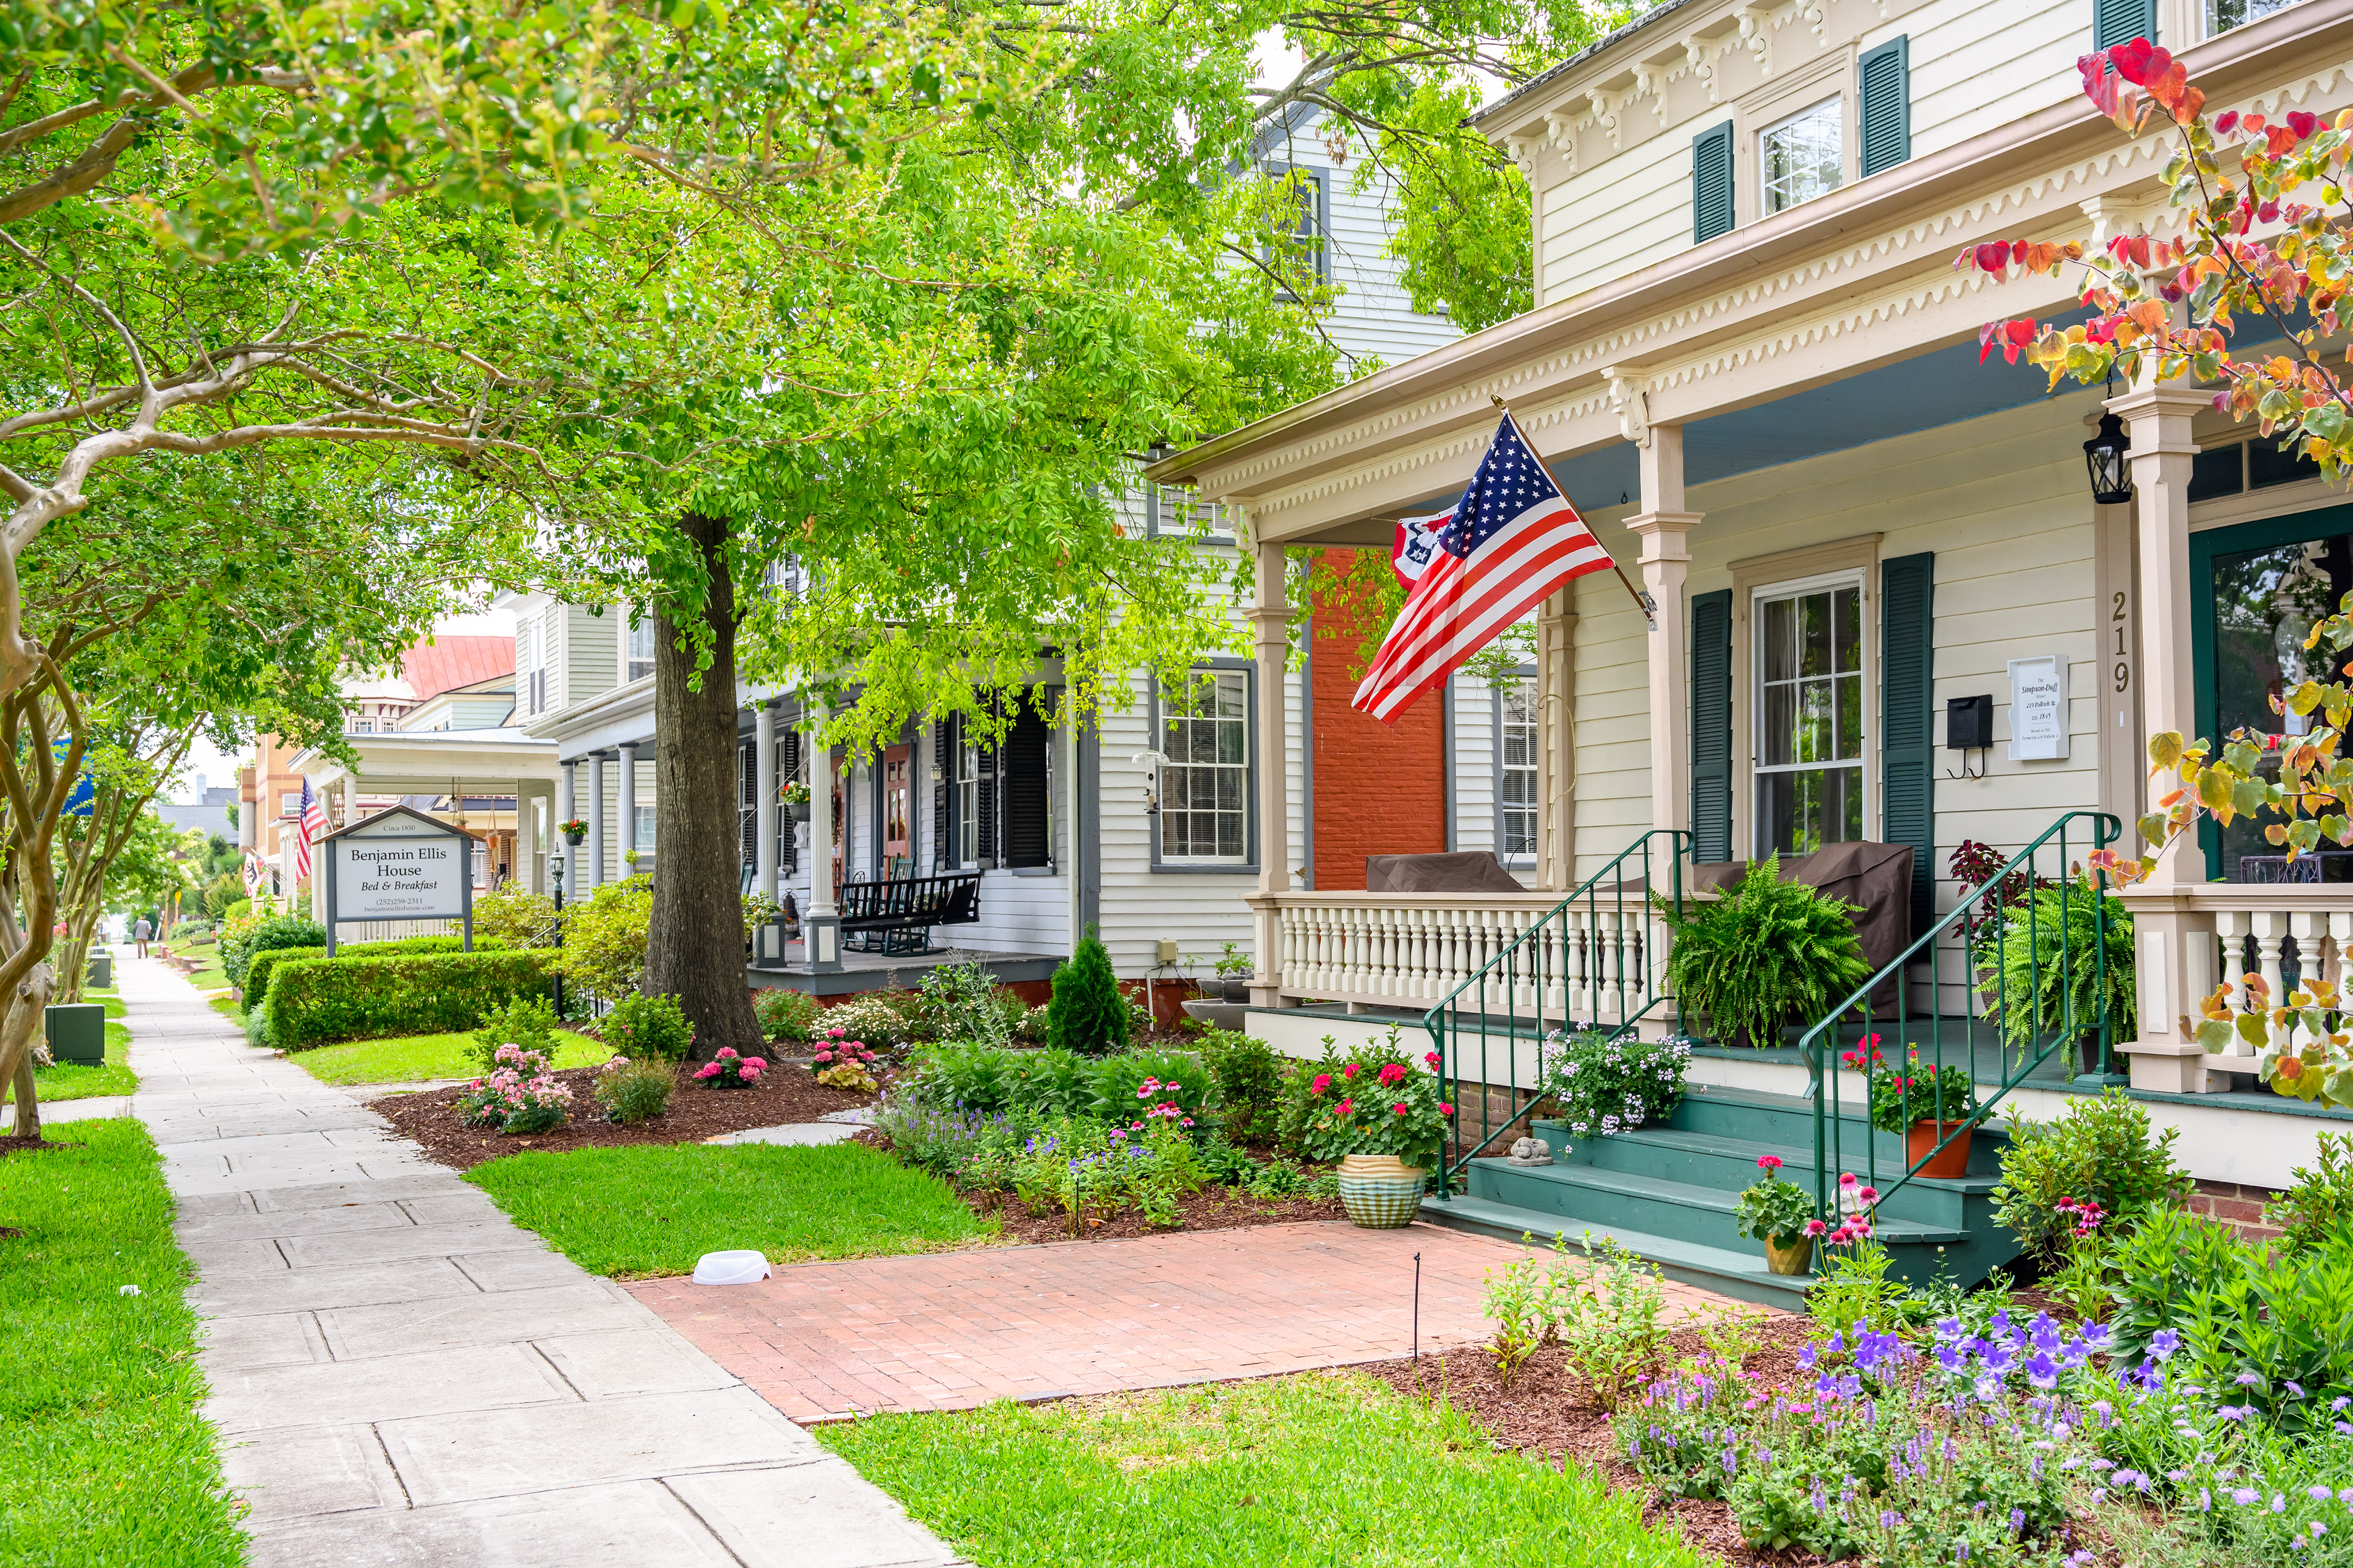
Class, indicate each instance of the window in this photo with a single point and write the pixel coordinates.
(1804, 156)
(1810, 719)
(290, 804)
(2221, 15)
(642, 840)
(1302, 248)
(538, 693)
(640, 655)
(1204, 788)
(362, 727)
(1516, 771)
(968, 800)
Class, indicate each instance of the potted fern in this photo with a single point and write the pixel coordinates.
(1768, 953)
(2045, 971)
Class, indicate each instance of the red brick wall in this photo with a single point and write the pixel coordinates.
(1380, 789)
(2241, 1207)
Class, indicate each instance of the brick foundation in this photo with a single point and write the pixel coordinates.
(2238, 1205)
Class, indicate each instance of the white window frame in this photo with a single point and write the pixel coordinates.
(641, 838)
(1505, 809)
(963, 807)
(2210, 17)
(1835, 102)
(1758, 771)
(1169, 738)
(290, 804)
(630, 632)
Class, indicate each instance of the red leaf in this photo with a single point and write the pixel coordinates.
(2019, 331)
(2279, 141)
(2253, 121)
(2010, 352)
(2141, 250)
(2226, 122)
(2139, 62)
(2302, 124)
(1993, 258)
(2099, 82)
(2268, 212)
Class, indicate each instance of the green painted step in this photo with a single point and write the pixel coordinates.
(1740, 1275)
(1700, 1159)
(1624, 1200)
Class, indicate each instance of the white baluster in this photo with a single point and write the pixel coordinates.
(2232, 926)
(2271, 926)
(2340, 931)
(2307, 927)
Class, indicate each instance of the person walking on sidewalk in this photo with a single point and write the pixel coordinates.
(141, 934)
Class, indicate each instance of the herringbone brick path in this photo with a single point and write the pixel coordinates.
(950, 1331)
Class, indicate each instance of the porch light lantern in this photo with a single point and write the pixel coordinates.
(2104, 456)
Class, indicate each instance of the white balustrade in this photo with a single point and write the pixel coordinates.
(2258, 928)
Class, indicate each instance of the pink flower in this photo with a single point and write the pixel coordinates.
(1392, 1072)
(1344, 1106)
(757, 1064)
(1866, 1194)
(1398, 1108)
(1444, 1108)
(1431, 1059)
(1846, 1178)
(1815, 1227)
(1769, 1163)
(1351, 1070)
(708, 1069)
(748, 1072)
(1323, 1081)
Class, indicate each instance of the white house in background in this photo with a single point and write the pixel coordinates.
(1057, 827)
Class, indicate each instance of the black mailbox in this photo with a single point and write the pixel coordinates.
(1968, 723)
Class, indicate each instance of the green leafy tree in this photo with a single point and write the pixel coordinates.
(1087, 1013)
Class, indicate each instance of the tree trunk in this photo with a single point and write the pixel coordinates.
(695, 950)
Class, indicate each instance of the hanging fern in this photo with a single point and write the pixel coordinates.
(2039, 981)
(1766, 954)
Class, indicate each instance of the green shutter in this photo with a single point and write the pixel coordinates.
(2118, 22)
(1712, 183)
(1885, 82)
(1711, 719)
(1907, 731)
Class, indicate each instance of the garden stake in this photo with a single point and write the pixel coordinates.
(1416, 1319)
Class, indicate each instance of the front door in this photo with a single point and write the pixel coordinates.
(898, 788)
(2258, 590)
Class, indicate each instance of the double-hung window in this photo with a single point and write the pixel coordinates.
(639, 653)
(967, 799)
(1516, 770)
(1809, 708)
(1803, 156)
(1205, 786)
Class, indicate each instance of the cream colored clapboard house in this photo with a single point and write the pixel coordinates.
(1754, 368)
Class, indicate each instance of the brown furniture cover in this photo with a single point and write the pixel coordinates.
(1464, 871)
(1877, 877)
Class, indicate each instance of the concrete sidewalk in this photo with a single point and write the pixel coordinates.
(401, 1375)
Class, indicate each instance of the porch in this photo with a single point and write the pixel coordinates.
(860, 972)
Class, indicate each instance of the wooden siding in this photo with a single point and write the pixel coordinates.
(1474, 764)
(1621, 214)
(1976, 65)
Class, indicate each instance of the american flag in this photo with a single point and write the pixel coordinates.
(1514, 540)
(313, 825)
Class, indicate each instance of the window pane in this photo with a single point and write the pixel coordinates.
(1204, 797)
(1814, 635)
(1229, 833)
(1780, 640)
(1847, 628)
(1780, 725)
(1849, 716)
(1804, 156)
(1814, 721)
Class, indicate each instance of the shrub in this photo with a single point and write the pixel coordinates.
(648, 1026)
(239, 909)
(784, 1013)
(2099, 1149)
(1766, 954)
(521, 1095)
(525, 1021)
(2168, 1257)
(2320, 1202)
(729, 1068)
(516, 917)
(604, 946)
(277, 930)
(258, 972)
(1855, 1288)
(1606, 1085)
(1129, 1084)
(1249, 1076)
(1380, 1103)
(1088, 1015)
(963, 1001)
(880, 1018)
(634, 1089)
(314, 1000)
(2044, 971)
(1609, 1318)
(262, 965)
(958, 1076)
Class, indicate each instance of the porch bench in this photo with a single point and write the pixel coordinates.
(896, 917)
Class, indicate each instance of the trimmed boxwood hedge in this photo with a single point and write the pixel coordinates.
(313, 1001)
(258, 972)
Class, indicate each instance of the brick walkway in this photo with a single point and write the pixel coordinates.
(950, 1331)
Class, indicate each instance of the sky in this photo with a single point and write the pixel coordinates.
(218, 768)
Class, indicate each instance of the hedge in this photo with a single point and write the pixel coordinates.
(258, 972)
(313, 1001)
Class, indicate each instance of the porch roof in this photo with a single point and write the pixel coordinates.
(434, 762)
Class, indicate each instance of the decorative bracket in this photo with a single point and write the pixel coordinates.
(1630, 396)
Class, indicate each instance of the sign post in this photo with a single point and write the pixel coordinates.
(399, 865)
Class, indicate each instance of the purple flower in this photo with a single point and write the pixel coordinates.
(2250, 1380)
(2321, 1494)
(2041, 1371)
(2163, 1344)
(2245, 1496)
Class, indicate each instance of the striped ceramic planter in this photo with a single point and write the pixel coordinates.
(1380, 1192)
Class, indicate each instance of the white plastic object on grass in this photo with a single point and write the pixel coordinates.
(731, 1269)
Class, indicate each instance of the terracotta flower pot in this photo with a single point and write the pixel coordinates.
(1380, 1192)
(1788, 1256)
(1951, 1160)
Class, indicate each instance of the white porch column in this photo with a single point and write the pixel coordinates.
(2174, 967)
(596, 820)
(627, 806)
(763, 774)
(565, 810)
(1557, 743)
(1271, 619)
(1662, 524)
(822, 921)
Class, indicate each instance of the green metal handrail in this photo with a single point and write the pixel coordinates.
(2011, 886)
(1546, 953)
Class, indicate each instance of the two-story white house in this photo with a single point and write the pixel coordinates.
(1754, 368)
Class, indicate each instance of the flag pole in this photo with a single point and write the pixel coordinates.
(1642, 602)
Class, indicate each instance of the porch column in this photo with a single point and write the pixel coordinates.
(565, 810)
(822, 921)
(1557, 743)
(626, 808)
(1270, 618)
(2174, 961)
(764, 777)
(1662, 524)
(596, 820)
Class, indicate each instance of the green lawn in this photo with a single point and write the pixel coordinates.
(209, 975)
(228, 1007)
(1296, 1472)
(69, 1080)
(104, 1457)
(654, 1208)
(417, 1059)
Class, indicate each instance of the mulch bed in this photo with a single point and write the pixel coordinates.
(1213, 1208)
(12, 1144)
(784, 1097)
(1549, 1413)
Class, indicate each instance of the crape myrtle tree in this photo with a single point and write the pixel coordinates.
(190, 599)
(2264, 257)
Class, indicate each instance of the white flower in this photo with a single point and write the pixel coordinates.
(128, 1291)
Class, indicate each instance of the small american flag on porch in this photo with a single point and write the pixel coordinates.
(313, 824)
(1514, 541)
